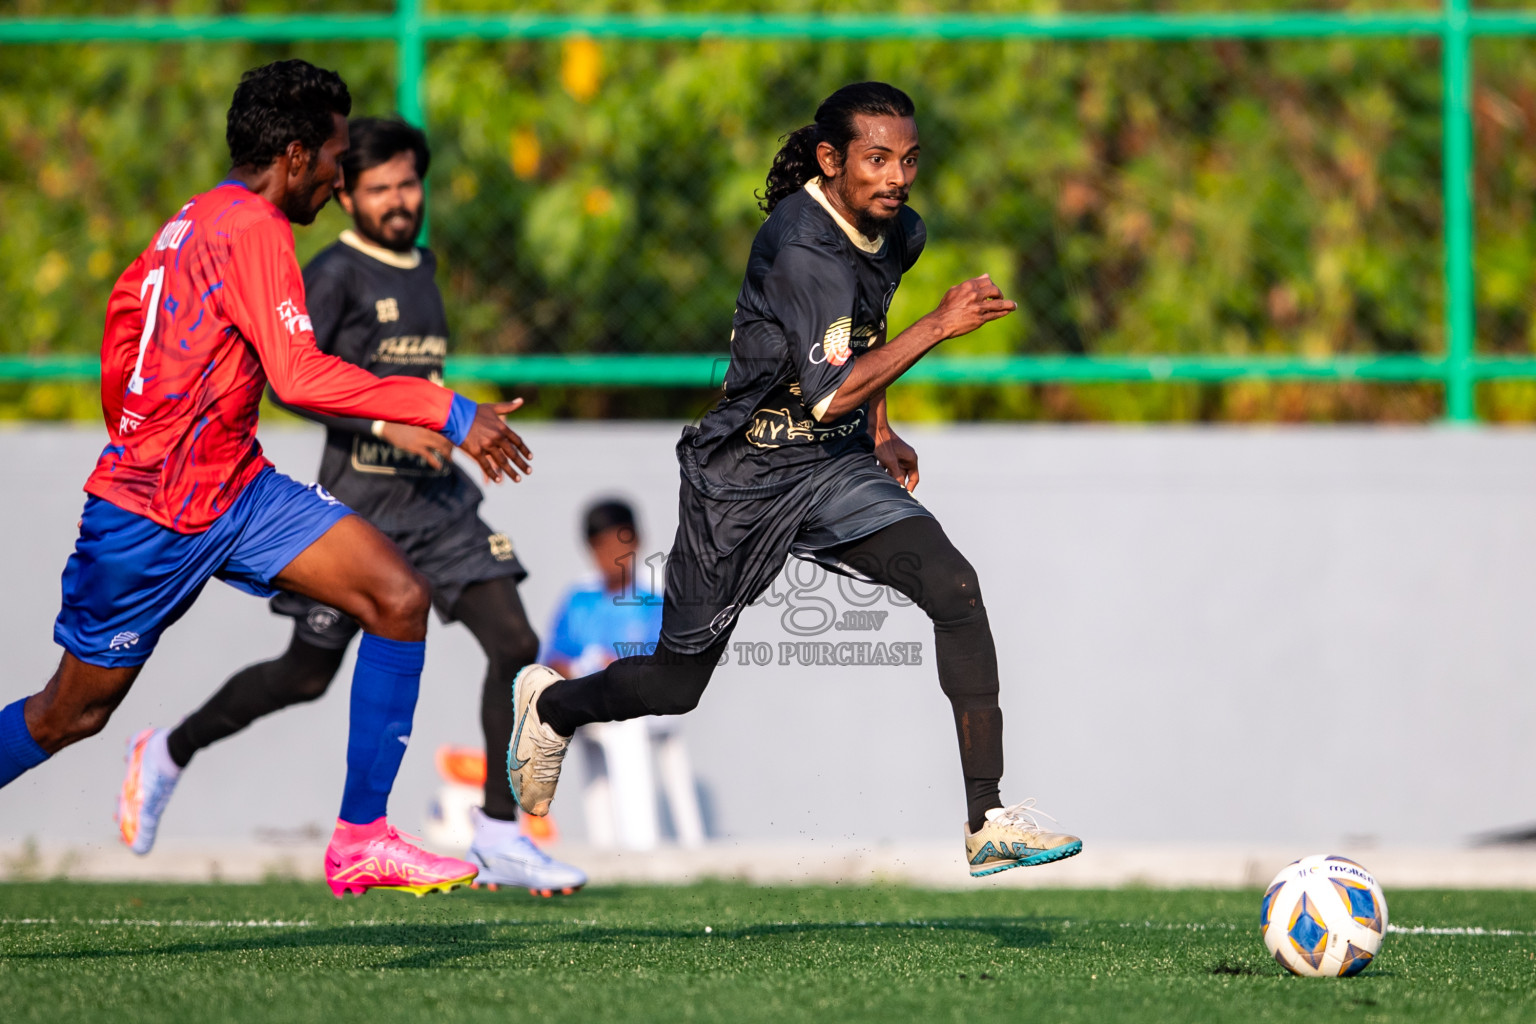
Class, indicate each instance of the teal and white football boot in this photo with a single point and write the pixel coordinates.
(536, 751)
(1014, 838)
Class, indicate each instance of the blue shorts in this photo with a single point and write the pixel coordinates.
(130, 578)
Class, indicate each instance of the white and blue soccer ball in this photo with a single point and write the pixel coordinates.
(1324, 917)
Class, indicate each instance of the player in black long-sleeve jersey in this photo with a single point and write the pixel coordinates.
(374, 302)
(799, 459)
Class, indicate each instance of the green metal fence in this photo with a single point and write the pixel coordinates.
(410, 29)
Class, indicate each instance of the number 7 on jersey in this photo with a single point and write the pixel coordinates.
(155, 280)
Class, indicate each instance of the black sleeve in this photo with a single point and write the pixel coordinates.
(811, 291)
(914, 235)
(325, 295)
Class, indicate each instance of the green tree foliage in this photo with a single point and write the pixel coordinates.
(597, 195)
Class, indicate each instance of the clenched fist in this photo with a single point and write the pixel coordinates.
(970, 304)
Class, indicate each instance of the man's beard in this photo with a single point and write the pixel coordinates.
(868, 223)
(303, 210)
(871, 226)
(376, 233)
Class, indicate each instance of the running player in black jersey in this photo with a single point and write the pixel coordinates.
(799, 459)
(374, 302)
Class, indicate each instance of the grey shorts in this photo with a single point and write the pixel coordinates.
(727, 552)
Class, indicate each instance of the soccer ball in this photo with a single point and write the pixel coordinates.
(1324, 917)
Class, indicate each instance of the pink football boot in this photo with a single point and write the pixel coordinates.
(375, 856)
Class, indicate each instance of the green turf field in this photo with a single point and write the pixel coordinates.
(289, 952)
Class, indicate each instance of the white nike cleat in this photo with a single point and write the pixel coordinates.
(507, 857)
(1013, 838)
(536, 751)
(147, 788)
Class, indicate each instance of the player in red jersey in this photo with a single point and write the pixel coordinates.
(196, 327)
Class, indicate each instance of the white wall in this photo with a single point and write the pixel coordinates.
(1288, 636)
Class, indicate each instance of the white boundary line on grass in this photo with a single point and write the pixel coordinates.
(1189, 926)
(1419, 929)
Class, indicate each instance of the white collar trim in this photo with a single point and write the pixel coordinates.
(404, 260)
(857, 237)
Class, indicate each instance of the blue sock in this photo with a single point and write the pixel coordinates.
(18, 750)
(384, 689)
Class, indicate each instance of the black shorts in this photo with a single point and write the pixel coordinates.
(728, 551)
(451, 557)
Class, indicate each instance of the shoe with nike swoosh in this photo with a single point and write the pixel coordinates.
(536, 751)
(506, 857)
(1013, 838)
(375, 856)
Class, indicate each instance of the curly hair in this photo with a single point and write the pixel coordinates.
(795, 163)
(279, 103)
(378, 140)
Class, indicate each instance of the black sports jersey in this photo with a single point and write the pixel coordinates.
(382, 311)
(813, 299)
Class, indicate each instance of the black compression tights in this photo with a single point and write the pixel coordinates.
(492, 611)
(913, 556)
(302, 673)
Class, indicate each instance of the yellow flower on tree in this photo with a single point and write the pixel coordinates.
(581, 68)
(597, 202)
(524, 153)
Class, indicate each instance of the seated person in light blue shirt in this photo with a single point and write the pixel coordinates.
(613, 615)
(617, 615)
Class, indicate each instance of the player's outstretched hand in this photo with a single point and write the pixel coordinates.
(897, 458)
(970, 304)
(429, 444)
(495, 445)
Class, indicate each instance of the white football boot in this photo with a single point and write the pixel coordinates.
(507, 857)
(536, 751)
(147, 788)
(1013, 838)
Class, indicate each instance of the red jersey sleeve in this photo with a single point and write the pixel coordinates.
(263, 296)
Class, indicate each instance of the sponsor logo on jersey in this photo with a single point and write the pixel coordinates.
(429, 349)
(834, 346)
(381, 457)
(294, 318)
(123, 641)
(388, 310)
(776, 428)
(128, 422)
(501, 547)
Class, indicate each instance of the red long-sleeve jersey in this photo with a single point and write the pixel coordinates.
(209, 313)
